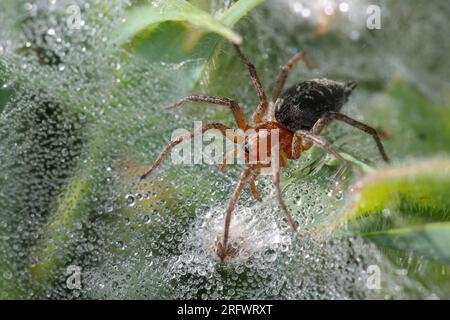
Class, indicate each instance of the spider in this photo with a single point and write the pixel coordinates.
(301, 114)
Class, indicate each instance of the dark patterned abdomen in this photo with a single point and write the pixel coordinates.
(304, 103)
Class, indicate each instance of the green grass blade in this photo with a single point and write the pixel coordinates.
(239, 10)
(404, 208)
(429, 241)
(143, 18)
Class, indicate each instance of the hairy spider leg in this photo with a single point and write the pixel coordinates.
(231, 155)
(224, 130)
(284, 73)
(309, 139)
(320, 125)
(239, 117)
(223, 249)
(277, 182)
(297, 147)
(261, 110)
(253, 188)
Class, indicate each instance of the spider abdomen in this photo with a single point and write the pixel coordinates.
(303, 104)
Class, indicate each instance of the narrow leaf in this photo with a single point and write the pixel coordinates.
(143, 18)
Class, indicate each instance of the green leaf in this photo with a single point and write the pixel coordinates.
(429, 240)
(239, 10)
(405, 208)
(147, 18)
(71, 212)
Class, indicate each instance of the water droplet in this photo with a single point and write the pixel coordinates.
(270, 255)
(344, 7)
(386, 213)
(130, 200)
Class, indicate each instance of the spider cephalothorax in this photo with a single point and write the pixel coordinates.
(301, 114)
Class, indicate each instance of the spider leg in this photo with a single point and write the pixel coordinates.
(323, 144)
(276, 182)
(223, 249)
(238, 150)
(233, 153)
(239, 117)
(224, 130)
(320, 125)
(261, 110)
(284, 73)
(230, 156)
(297, 147)
(253, 188)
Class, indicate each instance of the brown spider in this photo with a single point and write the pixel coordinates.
(301, 114)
